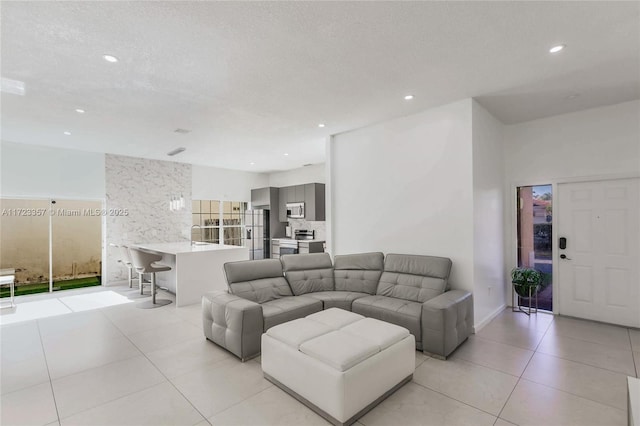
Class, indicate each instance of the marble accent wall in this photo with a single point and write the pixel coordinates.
(144, 188)
(319, 227)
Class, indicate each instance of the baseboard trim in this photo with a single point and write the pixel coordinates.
(480, 325)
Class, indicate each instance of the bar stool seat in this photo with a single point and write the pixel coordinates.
(126, 260)
(145, 263)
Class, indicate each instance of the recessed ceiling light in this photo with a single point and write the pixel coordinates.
(556, 49)
(79, 110)
(285, 154)
(176, 151)
(110, 58)
(408, 97)
(321, 125)
(15, 87)
(252, 163)
(67, 133)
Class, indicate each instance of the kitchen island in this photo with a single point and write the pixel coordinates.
(195, 268)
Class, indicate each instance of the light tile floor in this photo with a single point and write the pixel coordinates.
(97, 361)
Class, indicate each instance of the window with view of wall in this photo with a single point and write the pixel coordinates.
(213, 219)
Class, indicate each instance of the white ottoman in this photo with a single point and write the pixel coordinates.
(338, 363)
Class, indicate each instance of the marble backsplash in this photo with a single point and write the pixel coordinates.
(320, 228)
(144, 188)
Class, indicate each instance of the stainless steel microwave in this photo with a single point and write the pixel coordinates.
(295, 210)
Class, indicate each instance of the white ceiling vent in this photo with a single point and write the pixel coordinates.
(182, 131)
(176, 151)
(14, 87)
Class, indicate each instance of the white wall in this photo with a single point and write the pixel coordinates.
(210, 183)
(598, 143)
(41, 172)
(488, 215)
(405, 186)
(310, 174)
(593, 142)
(143, 188)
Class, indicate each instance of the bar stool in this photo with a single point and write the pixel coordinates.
(144, 262)
(125, 259)
(127, 262)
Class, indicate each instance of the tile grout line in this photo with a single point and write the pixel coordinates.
(142, 354)
(523, 370)
(450, 397)
(163, 375)
(93, 368)
(256, 394)
(44, 354)
(562, 390)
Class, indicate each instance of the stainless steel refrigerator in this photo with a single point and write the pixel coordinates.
(256, 229)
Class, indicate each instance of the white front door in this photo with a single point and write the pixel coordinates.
(599, 275)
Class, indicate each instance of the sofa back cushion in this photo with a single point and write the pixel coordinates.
(358, 272)
(308, 273)
(415, 278)
(257, 280)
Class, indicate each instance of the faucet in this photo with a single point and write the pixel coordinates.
(199, 229)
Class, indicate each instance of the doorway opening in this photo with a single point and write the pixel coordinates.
(535, 249)
(50, 245)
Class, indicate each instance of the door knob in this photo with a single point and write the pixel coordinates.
(564, 256)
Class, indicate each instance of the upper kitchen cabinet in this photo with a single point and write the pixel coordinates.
(314, 201)
(299, 194)
(287, 194)
(311, 194)
(265, 198)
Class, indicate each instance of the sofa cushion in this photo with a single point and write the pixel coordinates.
(358, 272)
(288, 308)
(415, 278)
(337, 299)
(404, 313)
(257, 280)
(307, 273)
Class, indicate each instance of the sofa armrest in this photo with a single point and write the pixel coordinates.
(232, 322)
(447, 321)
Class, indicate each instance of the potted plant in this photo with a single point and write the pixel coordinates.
(526, 281)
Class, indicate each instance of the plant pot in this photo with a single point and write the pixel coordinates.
(523, 289)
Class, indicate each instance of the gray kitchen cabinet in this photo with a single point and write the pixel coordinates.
(306, 247)
(260, 197)
(282, 205)
(311, 194)
(299, 194)
(291, 194)
(314, 201)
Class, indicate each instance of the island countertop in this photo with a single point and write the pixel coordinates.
(185, 247)
(195, 269)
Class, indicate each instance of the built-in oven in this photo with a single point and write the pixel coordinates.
(288, 250)
(295, 210)
(288, 246)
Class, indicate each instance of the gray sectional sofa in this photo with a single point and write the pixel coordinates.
(408, 290)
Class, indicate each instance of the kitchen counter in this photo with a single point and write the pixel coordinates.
(195, 269)
(184, 247)
(299, 241)
(290, 244)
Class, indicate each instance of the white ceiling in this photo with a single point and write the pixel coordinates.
(252, 80)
